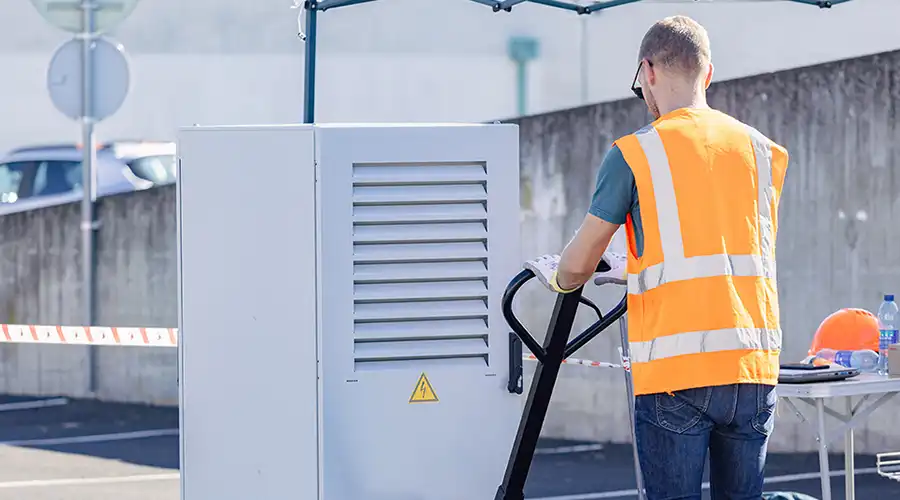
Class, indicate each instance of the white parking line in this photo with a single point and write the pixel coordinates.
(815, 475)
(562, 450)
(96, 438)
(31, 405)
(75, 481)
(769, 480)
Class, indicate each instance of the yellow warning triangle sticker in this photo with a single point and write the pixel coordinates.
(423, 393)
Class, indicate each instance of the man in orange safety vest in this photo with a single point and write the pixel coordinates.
(698, 192)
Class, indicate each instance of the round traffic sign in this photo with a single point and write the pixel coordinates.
(110, 78)
(67, 14)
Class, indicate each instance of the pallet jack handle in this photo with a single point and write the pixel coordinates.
(583, 338)
(550, 356)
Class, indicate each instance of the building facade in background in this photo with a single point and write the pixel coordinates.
(239, 61)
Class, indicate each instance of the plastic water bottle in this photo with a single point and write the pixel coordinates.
(866, 360)
(887, 324)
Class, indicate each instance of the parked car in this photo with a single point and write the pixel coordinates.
(45, 175)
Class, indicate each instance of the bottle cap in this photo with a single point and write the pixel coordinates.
(889, 297)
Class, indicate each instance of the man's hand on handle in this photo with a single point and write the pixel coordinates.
(618, 272)
(545, 269)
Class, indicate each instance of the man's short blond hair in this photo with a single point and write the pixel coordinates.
(677, 43)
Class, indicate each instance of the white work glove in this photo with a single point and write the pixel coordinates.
(544, 268)
(618, 274)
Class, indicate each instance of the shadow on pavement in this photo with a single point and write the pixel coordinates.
(137, 434)
(611, 469)
(145, 435)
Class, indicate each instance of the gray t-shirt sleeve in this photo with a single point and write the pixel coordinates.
(616, 193)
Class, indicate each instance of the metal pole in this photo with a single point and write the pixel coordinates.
(629, 389)
(87, 176)
(521, 87)
(821, 438)
(309, 77)
(583, 49)
(849, 462)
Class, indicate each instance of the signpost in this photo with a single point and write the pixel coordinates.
(87, 81)
(65, 81)
(67, 14)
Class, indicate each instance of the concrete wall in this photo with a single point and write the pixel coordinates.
(40, 262)
(838, 218)
(835, 248)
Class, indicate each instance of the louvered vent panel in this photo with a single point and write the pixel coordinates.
(420, 265)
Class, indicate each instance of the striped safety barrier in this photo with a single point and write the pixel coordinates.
(149, 337)
(94, 335)
(575, 361)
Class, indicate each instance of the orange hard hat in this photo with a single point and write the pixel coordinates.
(847, 329)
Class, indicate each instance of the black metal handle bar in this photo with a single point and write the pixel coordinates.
(556, 348)
(602, 323)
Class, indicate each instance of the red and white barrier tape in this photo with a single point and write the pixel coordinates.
(94, 335)
(150, 337)
(575, 361)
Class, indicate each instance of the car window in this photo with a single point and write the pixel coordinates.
(159, 169)
(55, 177)
(11, 177)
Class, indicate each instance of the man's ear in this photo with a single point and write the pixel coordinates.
(651, 74)
(709, 76)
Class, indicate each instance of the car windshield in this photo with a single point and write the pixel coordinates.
(56, 177)
(24, 179)
(11, 175)
(159, 169)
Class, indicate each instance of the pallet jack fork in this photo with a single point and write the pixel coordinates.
(550, 356)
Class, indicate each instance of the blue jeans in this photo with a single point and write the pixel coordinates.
(674, 433)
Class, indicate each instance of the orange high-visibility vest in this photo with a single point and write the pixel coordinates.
(702, 298)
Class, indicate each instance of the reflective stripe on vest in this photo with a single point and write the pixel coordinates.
(676, 267)
(729, 339)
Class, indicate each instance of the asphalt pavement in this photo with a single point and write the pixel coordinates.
(61, 449)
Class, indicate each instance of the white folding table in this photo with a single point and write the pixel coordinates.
(872, 389)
